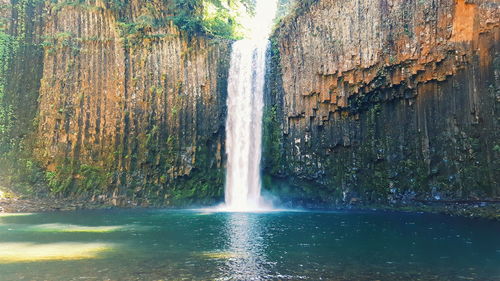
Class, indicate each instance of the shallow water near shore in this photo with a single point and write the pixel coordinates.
(201, 245)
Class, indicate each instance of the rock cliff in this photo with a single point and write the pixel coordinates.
(130, 108)
(375, 101)
(385, 101)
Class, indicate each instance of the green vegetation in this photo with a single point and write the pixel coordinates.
(272, 132)
(63, 40)
(289, 10)
(17, 170)
(213, 17)
(284, 8)
(272, 140)
(6, 114)
(84, 179)
(56, 7)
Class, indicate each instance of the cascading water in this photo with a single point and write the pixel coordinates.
(245, 110)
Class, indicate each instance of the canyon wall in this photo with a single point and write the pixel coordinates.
(375, 101)
(384, 101)
(21, 61)
(130, 108)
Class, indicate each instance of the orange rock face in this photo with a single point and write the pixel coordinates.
(142, 110)
(372, 84)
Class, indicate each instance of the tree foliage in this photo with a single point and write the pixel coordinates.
(213, 17)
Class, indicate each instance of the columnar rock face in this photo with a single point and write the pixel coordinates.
(385, 101)
(129, 108)
(372, 101)
(21, 61)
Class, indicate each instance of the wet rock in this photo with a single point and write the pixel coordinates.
(399, 93)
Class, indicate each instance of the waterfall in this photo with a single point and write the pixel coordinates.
(244, 124)
(245, 109)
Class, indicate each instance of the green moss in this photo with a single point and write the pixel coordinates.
(272, 140)
(61, 41)
(82, 4)
(60, 180)
(17, 94)
(204, 184)
(93, 178)
(6, 114)
(80, 179)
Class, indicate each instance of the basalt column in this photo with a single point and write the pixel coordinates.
(385, 101)
(131, 111)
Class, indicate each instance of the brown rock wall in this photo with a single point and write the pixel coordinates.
(389, 99)
(143, 109)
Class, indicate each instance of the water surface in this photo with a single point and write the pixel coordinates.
(190, 245)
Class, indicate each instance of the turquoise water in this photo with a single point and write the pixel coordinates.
(190, 245)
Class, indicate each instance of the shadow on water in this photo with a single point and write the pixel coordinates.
(286, 245)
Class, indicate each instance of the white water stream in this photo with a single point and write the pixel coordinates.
(245, 110)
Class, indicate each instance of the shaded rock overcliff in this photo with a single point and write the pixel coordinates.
(21, 61)
(130, 108)
(385, 101)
